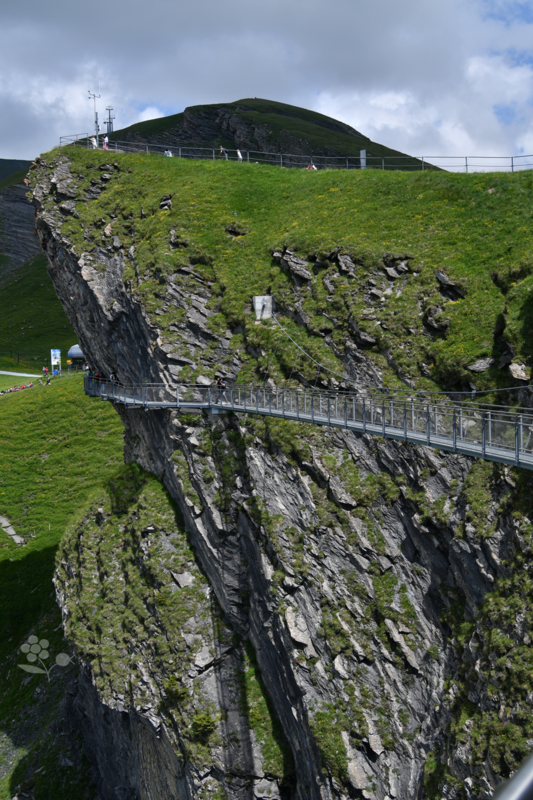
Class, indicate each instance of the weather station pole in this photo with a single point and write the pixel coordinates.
(96, 126)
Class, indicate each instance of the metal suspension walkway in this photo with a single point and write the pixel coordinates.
(494, 433)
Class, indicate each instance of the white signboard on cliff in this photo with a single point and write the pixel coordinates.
(55, 358)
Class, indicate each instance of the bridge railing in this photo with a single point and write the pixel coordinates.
(436, 423)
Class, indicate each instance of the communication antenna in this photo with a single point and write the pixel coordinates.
(95, 96)
(109, 120)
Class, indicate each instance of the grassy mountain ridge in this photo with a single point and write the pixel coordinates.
(473, 228)
(8, 166)
(257, 124)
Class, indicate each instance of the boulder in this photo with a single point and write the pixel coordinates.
(297, 266)
(391, 273)
(518, 372)
(449, 287)
(362, 338)
(346, 264)
(481, 365)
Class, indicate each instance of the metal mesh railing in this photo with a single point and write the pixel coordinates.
(498, 433)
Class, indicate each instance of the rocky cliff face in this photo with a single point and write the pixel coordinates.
(345, 575)
(17, 239)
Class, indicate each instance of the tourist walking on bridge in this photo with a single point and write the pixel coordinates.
(221, 386)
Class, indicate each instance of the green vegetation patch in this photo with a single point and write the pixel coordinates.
(257, 708)
(326, 725)
(498, 676)
(139, 605)
(471, 227)
(57, 446)
(32, 320)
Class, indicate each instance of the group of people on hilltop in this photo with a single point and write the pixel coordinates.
(224, 153)
(22, 386)
(105, 142)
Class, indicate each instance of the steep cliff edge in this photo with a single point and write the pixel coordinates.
(356, 570)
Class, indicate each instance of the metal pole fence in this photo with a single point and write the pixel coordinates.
(467, 164)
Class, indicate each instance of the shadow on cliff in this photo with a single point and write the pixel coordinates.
(125, 487)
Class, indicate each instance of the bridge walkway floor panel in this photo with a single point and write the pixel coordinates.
(437, 441)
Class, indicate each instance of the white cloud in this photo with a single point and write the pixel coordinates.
(151, 112)
(487, 112)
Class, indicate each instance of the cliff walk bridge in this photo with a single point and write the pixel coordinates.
(493, 433)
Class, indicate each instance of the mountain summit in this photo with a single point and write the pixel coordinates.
(257, 125)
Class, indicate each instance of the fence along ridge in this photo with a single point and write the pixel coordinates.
(364, 160)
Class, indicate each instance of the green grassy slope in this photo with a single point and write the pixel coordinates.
(7, 180)
(57, 449)
(470, 226)
(32, 320)
(321, 133)
(12, 178)
(8, 166)
(149, 127)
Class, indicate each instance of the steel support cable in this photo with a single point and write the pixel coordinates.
(319, 365)
(269, 362)
(472, 392)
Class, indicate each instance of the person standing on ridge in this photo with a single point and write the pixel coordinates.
(224, 152)
(94, 143)
(106, 141)
(239, 156)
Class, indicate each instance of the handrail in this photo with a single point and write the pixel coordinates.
(293, 160)
(492, 433)
(520, 786)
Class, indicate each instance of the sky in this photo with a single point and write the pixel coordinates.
(427, 77)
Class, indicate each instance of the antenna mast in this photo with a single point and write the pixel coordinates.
(109, 120)
(96, 126)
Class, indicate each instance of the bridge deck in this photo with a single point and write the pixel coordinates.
(491, 433)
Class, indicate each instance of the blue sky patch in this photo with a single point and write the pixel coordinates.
(509, 11)
(506, 115)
